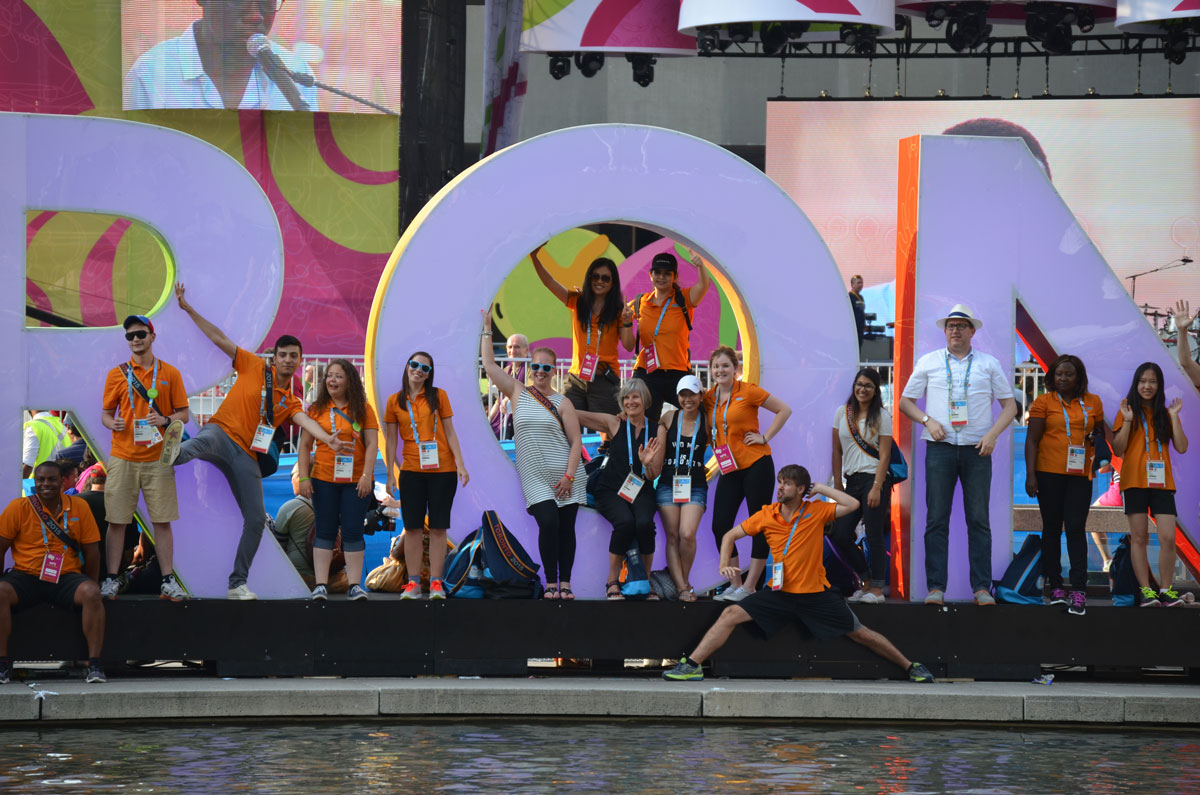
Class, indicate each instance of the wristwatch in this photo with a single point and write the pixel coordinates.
(924, 419)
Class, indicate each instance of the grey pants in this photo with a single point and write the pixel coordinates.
(213, 445)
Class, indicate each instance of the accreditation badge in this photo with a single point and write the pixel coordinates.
(724, 458)
(958, 413)
(681, 489)
(651, 358)
(143, 432)
(1156, 474)
(776, 576)
(262, 439)
(630, 488)
(428, 453)
(343, 468)
(587, 368)
(51, 567)
(1076, 459)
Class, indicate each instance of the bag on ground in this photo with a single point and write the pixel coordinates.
(1022, 580)
(491, 563)
(1121, 579)
(635, 583)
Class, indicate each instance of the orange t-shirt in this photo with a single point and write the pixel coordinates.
(673, 341)
(1133, 466)
(1052, 447)
(171, 398)
(397, 412)
(322, 468)
(238, 414)
(742, 419)
(20, 525)
(604, 341)
(803, 566)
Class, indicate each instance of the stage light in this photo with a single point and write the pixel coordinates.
(935, 15)
(796, 29)
(707, 39)
(1037, 21)
(968, 28)
(740, 32)
(901, 22)
(643, 67)
(589, 63)
(866, 40)
(773, 36)
(1087, 20)
(849, 34)
(560, 65)
(1175, 45)
(1058, 40)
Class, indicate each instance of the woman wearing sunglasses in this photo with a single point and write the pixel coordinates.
(548, 447)
(598, 318)
(430, 457)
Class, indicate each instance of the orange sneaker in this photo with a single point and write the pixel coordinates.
(436, 591)
(412, 590)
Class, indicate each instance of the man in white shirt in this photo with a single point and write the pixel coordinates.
(208, 65)
(959, 385)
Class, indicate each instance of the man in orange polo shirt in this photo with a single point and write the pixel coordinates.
(242, 428)
(797, 588)
(45, 569)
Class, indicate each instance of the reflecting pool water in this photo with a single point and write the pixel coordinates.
(626, 756)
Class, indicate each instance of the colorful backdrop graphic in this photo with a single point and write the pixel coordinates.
(331, 178)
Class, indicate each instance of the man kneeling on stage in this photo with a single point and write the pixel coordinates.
(797, 588)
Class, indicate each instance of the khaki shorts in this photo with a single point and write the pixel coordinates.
(127, 478)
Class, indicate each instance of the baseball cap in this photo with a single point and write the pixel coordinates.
(689, 382)
(664, 261)
(145, 321)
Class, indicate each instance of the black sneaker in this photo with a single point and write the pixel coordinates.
(5, 672)
(1078, 603)
(684, 672)
(95, 675)
(919, 673)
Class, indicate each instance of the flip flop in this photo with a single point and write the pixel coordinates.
(687, 594)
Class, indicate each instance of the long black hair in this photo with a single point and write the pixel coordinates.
(1159, 417)
(356, 395)
(613, 303)
(874, 409)
(1080, 372)
(431, 396)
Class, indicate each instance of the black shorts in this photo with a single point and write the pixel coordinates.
(427, 494)
(824, 615)
(1159, 502)
(32, 590)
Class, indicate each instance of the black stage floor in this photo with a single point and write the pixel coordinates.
(387, 637)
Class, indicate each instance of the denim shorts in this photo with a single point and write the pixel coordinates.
(699, 493)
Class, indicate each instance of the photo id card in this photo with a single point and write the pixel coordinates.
(1076, 459)
(429, 454)
(724, 458)
(51, 566)
(681, 489)
(587, 368)
(630, 488)
(1156, 474)
(958, 413)
(262, 439)
(343, 468)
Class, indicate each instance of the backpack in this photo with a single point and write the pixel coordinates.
(841, 575)
(679, 302)
(491, 563)
(1121, 579)
(1022, 581)
(635, 583)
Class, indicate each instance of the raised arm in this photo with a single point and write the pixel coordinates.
(845, 503)
(697, 290)
(310, 425)
(1121, 435)
(1183, 321)
(551, 283)
(500, 377)
(1177, 437)
(628, 340)
(218, 338)
(597, 421)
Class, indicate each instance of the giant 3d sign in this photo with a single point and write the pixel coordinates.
(1013, 241)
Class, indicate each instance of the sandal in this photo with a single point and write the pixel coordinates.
(653, 597)
(566, 594)
(687, 594)
(610, 595)
(551, 592)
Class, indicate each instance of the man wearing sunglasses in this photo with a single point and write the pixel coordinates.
(210, 66)
(242, 427)
(142, 397)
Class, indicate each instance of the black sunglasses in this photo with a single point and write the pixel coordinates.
(413, 364)
(602, 277)
(140, 334)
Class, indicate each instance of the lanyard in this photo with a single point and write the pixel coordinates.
(966, 376)
(724, 417)
(1146, 439)
(795, 524)
(412, 419)
(46, 540)
(661, 315)
(600, 334)
(691, 443)
(129, 376)
(1067, 420)
(629, 442)
(268, 386)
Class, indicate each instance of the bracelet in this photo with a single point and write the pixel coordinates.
(568, 477)
(301, 480)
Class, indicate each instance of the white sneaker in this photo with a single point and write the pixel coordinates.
(109, 588)
(869, 598)
(857, 596)
(172, 590)
(241, 592)
(737, 595)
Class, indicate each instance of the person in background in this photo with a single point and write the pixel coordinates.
(743, 456)
(1144, 431)
(859, 306)
(77, 449)
(292, 524)
(664, 319)
(1060, 446)
(94, 496)
(44, 437)
(47, 568)
(862, 451)
(682, 492)
(599, 318)
(69, 472)
(625, 489)
(418, 418)
(340, 484)
(548, 447)
(959, 385)
(500, 415)
(794, 527)
(1184, 318)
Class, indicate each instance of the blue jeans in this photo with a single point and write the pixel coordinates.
(944, 464)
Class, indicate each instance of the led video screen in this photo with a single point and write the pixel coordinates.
(1127, 168)
(261, 54)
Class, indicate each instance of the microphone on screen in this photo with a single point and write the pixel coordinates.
(259, 46)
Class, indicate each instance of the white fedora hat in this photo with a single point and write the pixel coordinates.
(963, 312)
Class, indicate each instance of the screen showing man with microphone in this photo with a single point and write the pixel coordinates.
(225, 60)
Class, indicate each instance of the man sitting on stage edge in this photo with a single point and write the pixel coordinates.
(797, 587)
(242, 427)
(53, 539)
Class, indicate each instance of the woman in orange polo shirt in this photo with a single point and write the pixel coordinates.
(599, 317)
(430, 458)
(1143, 433)
(339, 484)
(743, 455)
(1059, 447)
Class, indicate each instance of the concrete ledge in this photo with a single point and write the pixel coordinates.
(18, 702)
(541, 698)
(1156, 709)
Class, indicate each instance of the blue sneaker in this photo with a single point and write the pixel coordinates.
(684, 672)
(357, 593)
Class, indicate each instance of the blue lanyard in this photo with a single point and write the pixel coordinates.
(65, 527)
(724, 417)
(661, 315)
(599, 334)
(1067, 420)
(629, 441)
(966, 376)
(795, 524)
(1146, 437)
(412, 420)
(691, 444)
(129, 381)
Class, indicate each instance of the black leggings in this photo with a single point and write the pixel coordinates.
(629, 520)
(661, 384)
(876, 519)
(556, 538)
(755, 485)
(1064, 499)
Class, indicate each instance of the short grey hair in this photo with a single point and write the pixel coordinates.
(631, 386)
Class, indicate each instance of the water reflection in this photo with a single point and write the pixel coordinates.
(595, 757)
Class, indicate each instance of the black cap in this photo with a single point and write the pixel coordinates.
(664, 261)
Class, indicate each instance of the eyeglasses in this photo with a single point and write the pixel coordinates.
(866, 386)
(541, 368)
(957, 326)
(140, 334)
(265, 7)
(413, 364)
(602, 277)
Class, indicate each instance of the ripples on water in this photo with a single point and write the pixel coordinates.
(594, 757)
